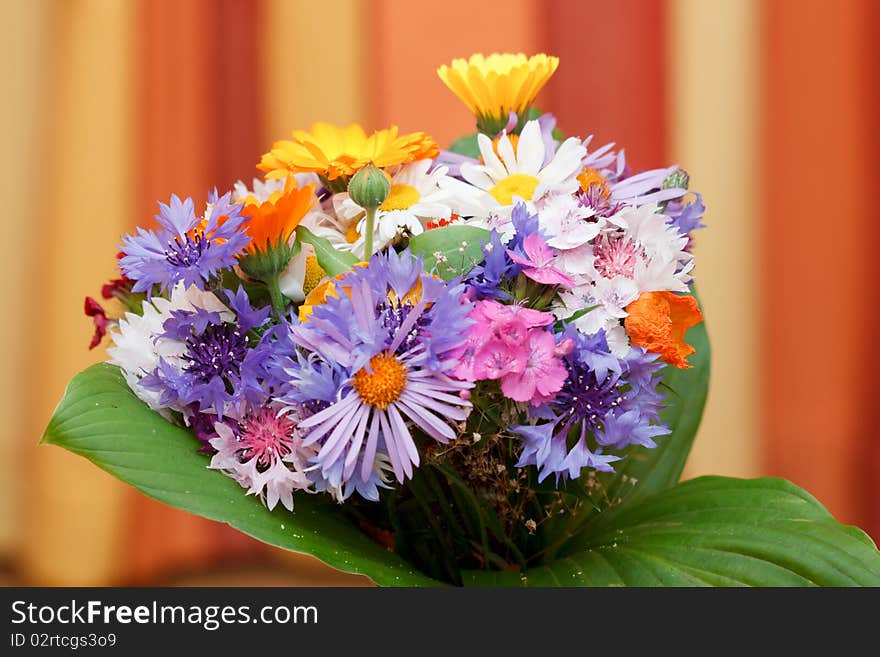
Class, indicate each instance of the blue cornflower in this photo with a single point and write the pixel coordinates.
(606, 404)
(485, 279)
(186, 248)
(686, 217)
(217, 369)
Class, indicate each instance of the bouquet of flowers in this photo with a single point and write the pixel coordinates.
(484, 365)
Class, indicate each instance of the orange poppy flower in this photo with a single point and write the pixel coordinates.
(658, 321)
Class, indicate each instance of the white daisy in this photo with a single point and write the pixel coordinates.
(516, 172)
(418, 195)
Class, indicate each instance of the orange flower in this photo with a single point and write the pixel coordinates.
(658, 321)
(275, 219)
(340, 151)
(591, 177)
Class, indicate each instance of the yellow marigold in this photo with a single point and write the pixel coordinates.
(658, 322)
(492, 87)
(275, 219)
(333, 151)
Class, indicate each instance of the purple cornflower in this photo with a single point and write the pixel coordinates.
(377, 360)
(485, 279)
(606, 404)
(186, 248)
(217, 369)
(686, 217)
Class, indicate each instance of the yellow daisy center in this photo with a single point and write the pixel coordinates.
(519, 184)
(314, 274)
(401, 197)
(384, 384)
(352, 234)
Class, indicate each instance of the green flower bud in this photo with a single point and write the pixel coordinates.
(676, 180)
(369, 187)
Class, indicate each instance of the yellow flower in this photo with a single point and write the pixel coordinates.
(335, 152)
(492, 87)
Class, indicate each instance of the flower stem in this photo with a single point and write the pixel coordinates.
(368, 235)
(278, 301)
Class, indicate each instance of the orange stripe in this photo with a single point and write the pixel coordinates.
(611, 77)
(820, 233)
(413, 39)
(199, 118)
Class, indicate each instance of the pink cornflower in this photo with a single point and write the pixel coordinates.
(265, 455)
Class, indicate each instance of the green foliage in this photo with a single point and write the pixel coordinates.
(450, 251)
(711, 531)
(101, 419)
(332, 261)
(466, 145)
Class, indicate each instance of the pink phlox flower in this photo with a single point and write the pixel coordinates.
(497, 358)
(498, 313)
(539, 262)
(511, 344)
(543, 374)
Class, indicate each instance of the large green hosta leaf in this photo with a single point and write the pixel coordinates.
(711, 531)
(101, 419)
(708, 531)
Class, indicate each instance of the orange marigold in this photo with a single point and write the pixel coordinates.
(658, 321)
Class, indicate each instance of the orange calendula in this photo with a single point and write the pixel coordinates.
(658, 322)
(333, 151)
(275, 219)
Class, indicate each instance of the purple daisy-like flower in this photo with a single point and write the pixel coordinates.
(623, 187)
(186, 247)
(377, 365)
(607, 402)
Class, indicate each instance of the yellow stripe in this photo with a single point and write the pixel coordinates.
(78, 207)
(314, 67)
(714, 73)
(24, 62)
(314, 62)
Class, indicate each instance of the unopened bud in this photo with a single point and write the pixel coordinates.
(678, 179)
(369, 187)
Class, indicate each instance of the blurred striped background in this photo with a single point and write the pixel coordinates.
(772, 106)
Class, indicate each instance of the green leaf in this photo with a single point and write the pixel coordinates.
(332, 261)
(711, 531)
(467, 146)
(450, 251)
(656, 469)
(101, 419)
